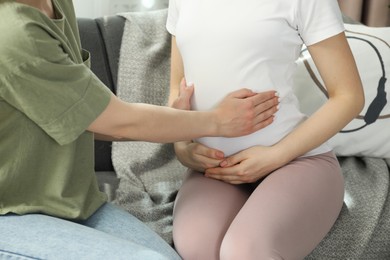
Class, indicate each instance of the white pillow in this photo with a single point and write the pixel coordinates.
(371, 49)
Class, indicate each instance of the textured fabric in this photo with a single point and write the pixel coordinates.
(363, 227)
(256, 47)
(149, 173)
(110, 233)
(48, 97)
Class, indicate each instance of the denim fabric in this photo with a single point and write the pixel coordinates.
(110, 233)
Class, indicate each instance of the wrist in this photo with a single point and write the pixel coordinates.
(180, 144)
(281, 154)
(212, 124)
(179, 147)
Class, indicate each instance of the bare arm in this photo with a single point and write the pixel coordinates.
(236, 115)
(337, 67)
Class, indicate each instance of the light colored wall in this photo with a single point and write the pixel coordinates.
(97, 8)
(370, 12)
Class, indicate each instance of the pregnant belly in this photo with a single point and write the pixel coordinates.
(286, 119)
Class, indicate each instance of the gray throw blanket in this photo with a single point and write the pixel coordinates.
(362, 231)
(150, 175)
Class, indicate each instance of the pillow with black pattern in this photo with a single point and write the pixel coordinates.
(369, 133)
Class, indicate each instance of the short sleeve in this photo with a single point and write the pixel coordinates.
(42, 82)
(173, 16)
(318, 20)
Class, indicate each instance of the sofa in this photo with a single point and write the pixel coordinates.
(102, 37)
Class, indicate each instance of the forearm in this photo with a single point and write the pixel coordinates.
(128, 135)
(333, 116)
(337, 68)
(165, 124)
(129, 121)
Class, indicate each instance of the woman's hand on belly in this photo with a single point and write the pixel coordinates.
(247, 166)
(197, 156)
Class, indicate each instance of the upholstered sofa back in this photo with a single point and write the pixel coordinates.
(102, 38)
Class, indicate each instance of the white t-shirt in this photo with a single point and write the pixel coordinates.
(229, 44)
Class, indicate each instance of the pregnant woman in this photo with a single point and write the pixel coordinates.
(273, 194)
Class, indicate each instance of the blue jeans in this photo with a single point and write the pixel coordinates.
(110, 233)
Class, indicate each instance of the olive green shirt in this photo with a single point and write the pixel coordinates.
(48, 97)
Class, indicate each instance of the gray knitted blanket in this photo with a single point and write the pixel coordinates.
(150, 175)
(362, 231)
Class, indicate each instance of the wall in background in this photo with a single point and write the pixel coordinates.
(374, 13)
(97, 8)
(369, 12)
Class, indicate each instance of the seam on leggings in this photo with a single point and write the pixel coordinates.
(16, 255)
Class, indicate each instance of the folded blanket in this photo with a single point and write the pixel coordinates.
(362, 230)
(149, 173)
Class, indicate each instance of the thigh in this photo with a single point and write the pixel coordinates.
(36, 236)
(113, 220)
(290, 211)
(204, 209)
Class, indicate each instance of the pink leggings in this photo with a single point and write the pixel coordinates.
(284, 216)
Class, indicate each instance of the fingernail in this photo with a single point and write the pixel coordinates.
(277, 94)
(220, 154)
(190, 84)
(223, 164)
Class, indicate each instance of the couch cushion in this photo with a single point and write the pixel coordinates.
(92, 41)
(111, 30)
(102, 38)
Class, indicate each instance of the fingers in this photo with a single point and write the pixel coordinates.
(208, 157)
(230, 170)
(266, 105)
(232, 160)
(198, 156)
(264, 122)
(186, 90)
(208, 152)
(229, 175)
(208, 163)
(261, 97)
(265, 117)
(227, 171)
(183, 82)
(265, 101)
(214, 154)
(242, 93)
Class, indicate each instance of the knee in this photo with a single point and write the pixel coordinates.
(192, 244)
(185, 248)
(239, 247)
(235, 247)
(229, 249)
